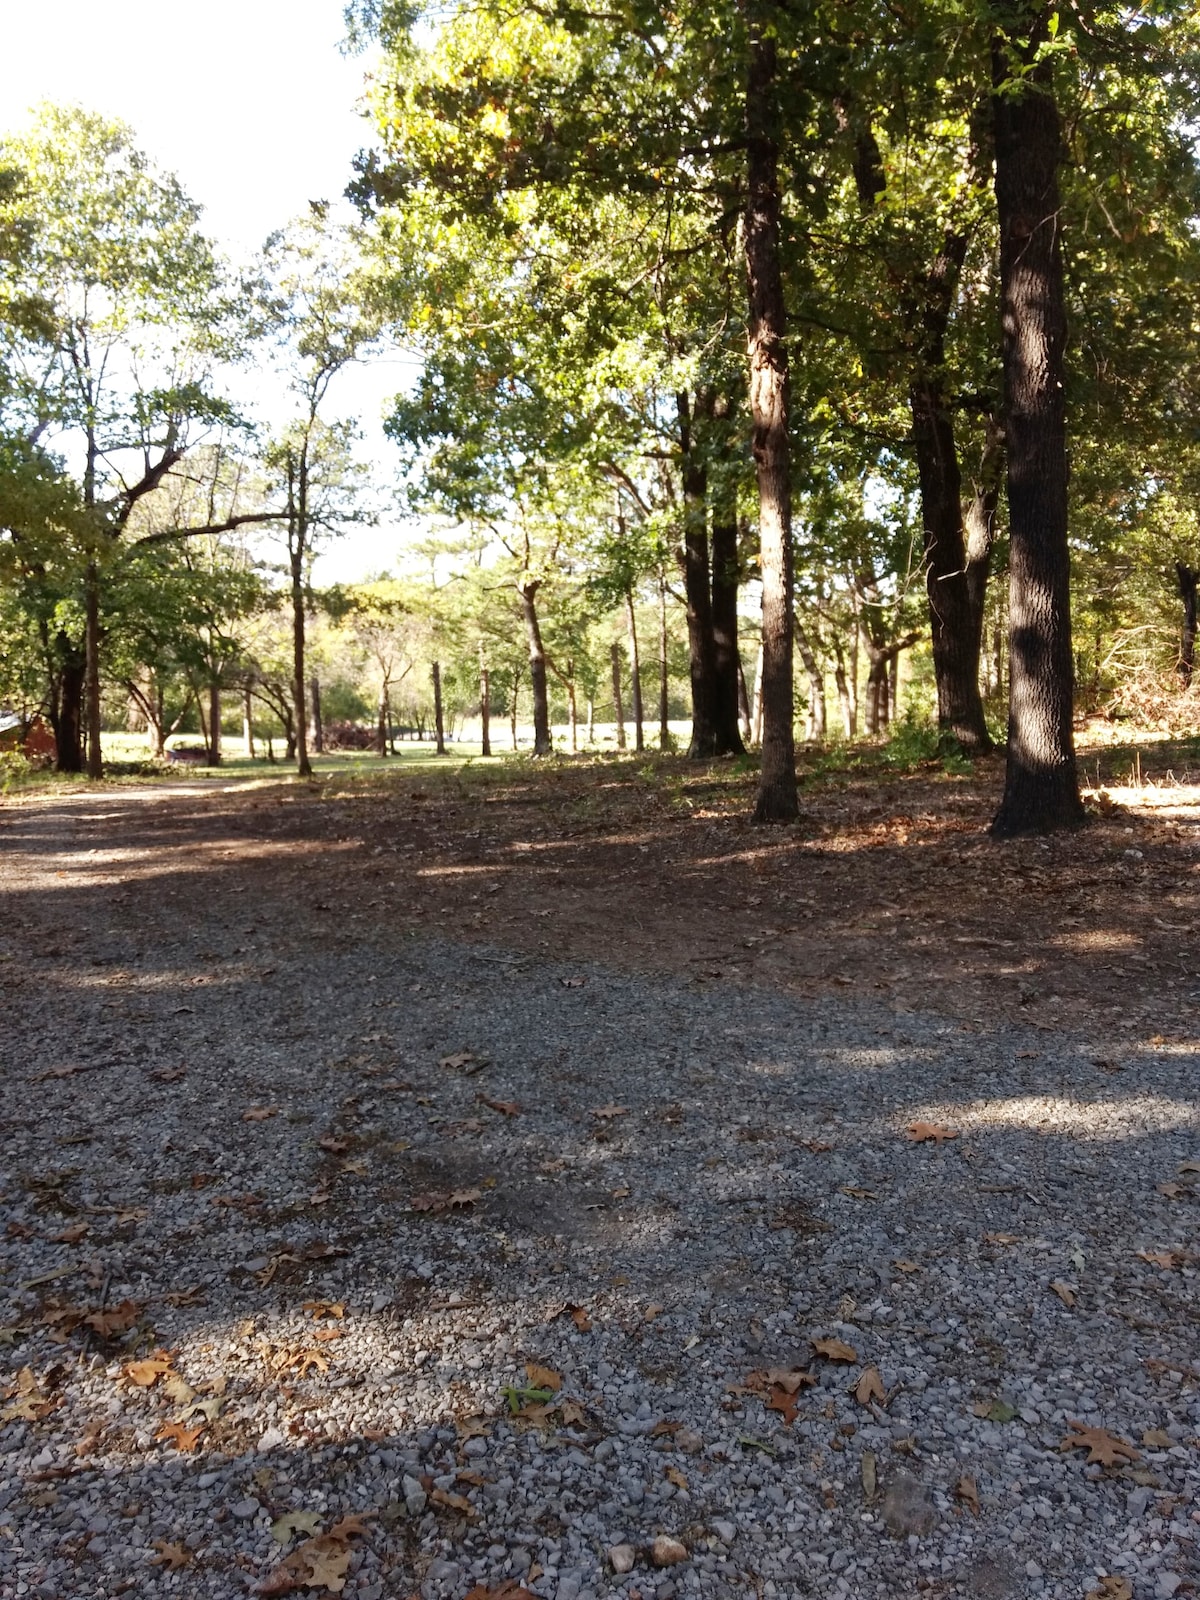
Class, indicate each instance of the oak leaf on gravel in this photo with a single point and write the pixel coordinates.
(444, 1200)
(610, 1110)
(543, 1377)
(506, 1108)
(259, 1113)
(870, 1387)
(1169, 1260)
(834, 1349)
(117, 1320)
(319, 1563)
(967, 1490)
(147, 1373)
(778, 1399)
(180, 1435)
(920, 1132)
(170, 1556)
(1064, 1292)
(1109, 1449)
(1112, 1588)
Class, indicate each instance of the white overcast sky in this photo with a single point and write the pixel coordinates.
(249, 102)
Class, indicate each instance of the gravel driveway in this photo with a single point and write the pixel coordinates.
(339, 1255)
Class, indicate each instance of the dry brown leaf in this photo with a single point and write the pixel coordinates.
(1001, 1238)
(790, 1379)
(445, 1200)
(679, 1479)
(1109, 1449)
(919, 1132)
(1188, 1166)
(73, 1234)
(464, 1475)
(506, 1108)
(180, 1435)
(335, 1144)
(260, 1113)
(1064, 1292)
(464, 1061)
(1173, 1190)
(779, 1399)
(543, 1377)
(834, 1349)
(1169, 1260)
(170, 1556)
(325, 1308)
(1156, 1439)
(472, 1427)
(967, 1491)
(610, 1110)
(907, 1266)
(1112, 1588)
(453, 1502)
(510, 1589)
(119, 1320)
(177, 1390)
(319, 1563)
(147, 1373)
(870, 1387)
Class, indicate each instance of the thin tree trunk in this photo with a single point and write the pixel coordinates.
(1041, 787)
(743, 704)
(297, 734)
(854, 669)
(214, 722)
(248, 722)
(95, 759)
(757, 715)
(727, 738)
(573, 711)
(516, 696)
(542, 742)
(381, 724)
(635, 673)
(843, 689)
(816, 685)
(664, 666)
(316, 724)
(1188, 579)
(769, 406)
(696, 581)
(439, 721)
(894, 688)
(591, 720)
(618, 704)
(485, 711)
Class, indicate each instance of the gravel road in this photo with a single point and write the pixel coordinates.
(551, 1273)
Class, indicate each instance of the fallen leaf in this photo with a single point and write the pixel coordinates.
(445, 1200)
(260, 1113)
(870, 1474)
(1109, 1449)
(967, 1491)
(182, 1437)
(1112, 1588)
(790, 1379)
(177, 1390)
(171, 1556)
(1156, 1439)
(906, 1266)
(465, 1475)
(1173, 1190)
(1169, 1260)
(319, 1563)
(653, 1310)
(453, 1502)
(147, 1373)
(543, 1377)
(510, 1589)
(919, 1132)
(464, 1061)
(679, 1479)
(1001, 1238)
(1064, 1292)
(870, 1387)
(856, 1194)
(506, 1108)
(1189, 1166)
(610, 1110)
(73, 1234)
(779, 1399)
(998, 1410)
(472, 1427)
(572, 983)
(119, 1320)
(325, 1308)
(834, 1349)
(334, 1144)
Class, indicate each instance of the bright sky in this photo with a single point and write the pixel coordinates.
(250, 103)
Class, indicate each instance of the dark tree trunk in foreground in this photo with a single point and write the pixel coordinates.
(485, 713)
(618, 703)
(439, 720)
(214, 723)
(95, 759)
(769, 402)
(66, 714)
(1188, 579)
(316, 725)
(635, 675)
(696, 584)
(955, 595)
(726, 666)
(1041, 788)
(542, 742)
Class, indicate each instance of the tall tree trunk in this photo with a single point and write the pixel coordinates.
(757, 707)
(591, 719)
(542, 742)
(727, 737)
(1188, 579)
(298, 733)
(485, 711)
(618, 703)
(439, 721)
(955, 603)
(95, 759)
(67, 718)
(572, 708)
(816, 729)
(381, 724)
(743, 704)
(635, 674)
(1041, 786)
(843, 688)
(316, 724)
(512, 712)
(894, 688)
(696, 582)
(664, 666)
(248, 722)
(214, 722)
(769, 405)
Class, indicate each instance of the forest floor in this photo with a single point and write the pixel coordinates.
(477, 1177)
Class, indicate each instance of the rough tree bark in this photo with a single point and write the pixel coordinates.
(485, 712)
(95, 758)
(769, 403)
(439, 720)
(1187, 578)
(316, 724)
(1041, 788)
(664, 663)
(696, 578)
(727, 738)
(635, 674)
(214, 722)
(298, 735)
(248, 722)
(618, 704)
(542, 742)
